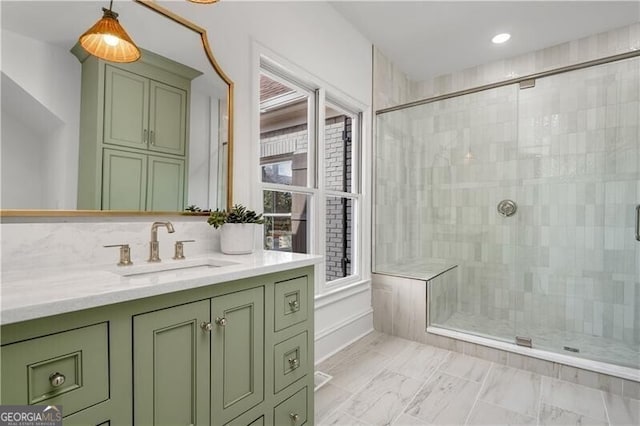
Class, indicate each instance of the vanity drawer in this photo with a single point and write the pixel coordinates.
(291, 302)
(292, 411)
(69, 369)
(290, 359)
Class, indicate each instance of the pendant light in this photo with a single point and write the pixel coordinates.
(108, 40)
(203, 1)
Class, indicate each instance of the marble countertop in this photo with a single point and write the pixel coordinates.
(37, 293)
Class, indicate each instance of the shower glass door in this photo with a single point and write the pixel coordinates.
(578, 260)
(468, 165)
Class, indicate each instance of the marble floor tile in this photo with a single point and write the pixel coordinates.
(513, 389)
(466, 367)
(355, 349)
(383, 398)
(407, 420)
(550, 415)
(489, 414)
(340, 418)
(418, 361)
(355, 372)
(327, 399)
(575, 398)
(385, 344)
(444, 400)
(622, 411)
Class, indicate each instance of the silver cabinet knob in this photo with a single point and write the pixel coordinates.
(294, 417)
(206, 326)
(221, 321)
(57, 379)
(294, 305)
(294, 363)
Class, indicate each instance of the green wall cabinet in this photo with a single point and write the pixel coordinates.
(206, 356)
(134, 181)
(143, 113)
(141, 108)
(124, 186)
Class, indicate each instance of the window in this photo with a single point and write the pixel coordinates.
(310, 173)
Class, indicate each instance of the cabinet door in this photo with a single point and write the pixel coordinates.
(126, 108)
(165, 188)
(124, 180)
(237, 353)
(171, 370)
(168, 119)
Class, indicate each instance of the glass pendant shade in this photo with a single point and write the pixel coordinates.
(109, 41)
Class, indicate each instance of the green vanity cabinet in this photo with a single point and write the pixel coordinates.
(237, 353)
(171, 366)
(210, 355)
(141, 108)
(68, 368)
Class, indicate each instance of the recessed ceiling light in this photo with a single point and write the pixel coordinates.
(501, 38)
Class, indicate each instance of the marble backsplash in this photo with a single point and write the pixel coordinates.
(78, 242)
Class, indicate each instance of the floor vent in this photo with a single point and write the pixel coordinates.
(570, 349)
(320, 379)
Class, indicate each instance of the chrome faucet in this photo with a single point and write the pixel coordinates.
(154, 246)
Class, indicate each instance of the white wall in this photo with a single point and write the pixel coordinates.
(310, 35)
(22, 162)
(58, 92)
(314, 41)
(314, 37)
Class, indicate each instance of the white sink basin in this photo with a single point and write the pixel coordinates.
(173, 268)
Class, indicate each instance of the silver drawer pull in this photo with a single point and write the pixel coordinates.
(294, 363)
(294, 417)
(221, 321)
(206, 326)
(294, 305)
(57, 379)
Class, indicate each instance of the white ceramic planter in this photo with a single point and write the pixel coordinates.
(237, 238)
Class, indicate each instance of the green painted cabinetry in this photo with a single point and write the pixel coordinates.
(171, 366)
(207, 356)
(237, 353)
(139, 109)
(135, 181)
(143, 113)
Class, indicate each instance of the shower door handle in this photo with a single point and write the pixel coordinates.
(638, 222)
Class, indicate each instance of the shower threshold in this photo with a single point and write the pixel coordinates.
(623, 372)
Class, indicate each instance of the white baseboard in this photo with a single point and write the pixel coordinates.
(335, 338)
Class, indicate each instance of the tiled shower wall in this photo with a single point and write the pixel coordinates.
(567, 259)
(566, 151)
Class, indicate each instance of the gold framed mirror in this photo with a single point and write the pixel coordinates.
(42, 94)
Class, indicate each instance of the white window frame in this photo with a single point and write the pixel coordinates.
(315, 189)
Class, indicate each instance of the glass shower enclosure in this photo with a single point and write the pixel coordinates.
(531, 189)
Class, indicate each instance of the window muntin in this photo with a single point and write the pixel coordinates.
(310, 177)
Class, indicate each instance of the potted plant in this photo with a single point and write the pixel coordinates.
(237, 234)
